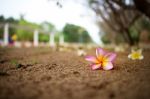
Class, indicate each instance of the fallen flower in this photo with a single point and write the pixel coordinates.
(102, 60)
(81, 52)
(136, 54)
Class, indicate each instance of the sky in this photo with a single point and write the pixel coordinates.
(38, 11)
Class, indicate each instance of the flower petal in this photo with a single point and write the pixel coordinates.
(110, 57)
(107, 65)
(137, 51)
(91, 59)
(96, 66)
(129, 56)
(141, 57)
(100, 52)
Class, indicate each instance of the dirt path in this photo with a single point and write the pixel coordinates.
(39, 73)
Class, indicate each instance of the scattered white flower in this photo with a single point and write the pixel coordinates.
(136, 54)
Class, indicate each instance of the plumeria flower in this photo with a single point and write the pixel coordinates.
(103, 60)
(136, 54)
(81, 52)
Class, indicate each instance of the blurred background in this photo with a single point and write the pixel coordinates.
(51, 22)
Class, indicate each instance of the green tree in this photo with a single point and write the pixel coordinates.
(25, 30)
(73, 33)
(43, 37)
(11, 20)
(2, 19)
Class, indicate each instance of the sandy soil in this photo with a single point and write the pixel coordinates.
(40, 73)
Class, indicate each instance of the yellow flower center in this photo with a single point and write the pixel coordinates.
(135, 55)
(102, 59)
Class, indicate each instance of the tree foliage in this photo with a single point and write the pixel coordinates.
(73, 33)
(7, 20)
(25, 29)
(25, 32)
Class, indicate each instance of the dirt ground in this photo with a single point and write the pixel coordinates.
(40, 73)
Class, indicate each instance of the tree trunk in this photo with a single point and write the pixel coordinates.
(143, 6)
(130, 40)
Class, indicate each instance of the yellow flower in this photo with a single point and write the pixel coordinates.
(14, 37)
(136, 54)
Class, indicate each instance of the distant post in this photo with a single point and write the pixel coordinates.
(36, 38)
(6, 34)
(61, 39)
(52, 39)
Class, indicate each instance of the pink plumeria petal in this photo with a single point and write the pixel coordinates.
(110, 57)
(100, 52)
(96, 66)
(107, 65)
(91, 59)
(102, 60)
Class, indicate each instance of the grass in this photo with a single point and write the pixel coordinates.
(16, 63)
